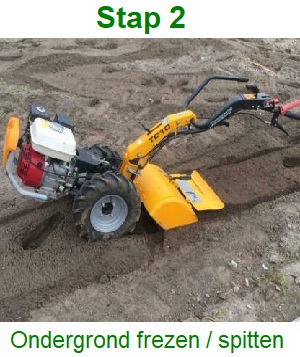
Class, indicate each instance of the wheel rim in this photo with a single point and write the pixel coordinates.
(109, 213)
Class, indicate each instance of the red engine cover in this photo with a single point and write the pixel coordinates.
(31, 166)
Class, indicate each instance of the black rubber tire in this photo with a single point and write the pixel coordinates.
(92, 191)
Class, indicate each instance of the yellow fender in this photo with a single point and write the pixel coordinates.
(162, 199)
(11, 138)
(171, 200)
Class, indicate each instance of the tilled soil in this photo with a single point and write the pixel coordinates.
(238, 264)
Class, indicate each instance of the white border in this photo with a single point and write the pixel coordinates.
(214, 18)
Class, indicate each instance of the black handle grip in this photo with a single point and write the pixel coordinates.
(242, 79)
(229, 78)
(292, 115)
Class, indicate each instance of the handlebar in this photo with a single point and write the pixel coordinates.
(292, 115)
(231, 107)
(207, 80)
(252, 101)
(240, 102)
(286, 109)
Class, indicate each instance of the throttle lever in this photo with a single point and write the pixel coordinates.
(275, 124)
(280, 127)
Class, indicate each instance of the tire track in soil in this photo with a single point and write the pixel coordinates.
(230, 160)
(291, 162)
(18, 307)
(22, 213)
(34, 238)
(43, 243)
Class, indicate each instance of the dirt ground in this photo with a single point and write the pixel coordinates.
(238, 264)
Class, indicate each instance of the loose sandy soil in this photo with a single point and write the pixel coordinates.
(239, 264)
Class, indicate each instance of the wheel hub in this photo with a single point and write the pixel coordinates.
(107, 208)
(109, 213)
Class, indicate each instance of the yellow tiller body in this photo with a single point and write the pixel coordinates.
(171, 200)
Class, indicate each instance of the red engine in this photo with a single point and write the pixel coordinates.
(31, 166)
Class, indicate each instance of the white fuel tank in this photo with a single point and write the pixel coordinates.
(52, 139)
